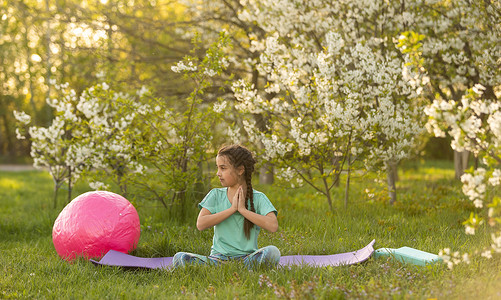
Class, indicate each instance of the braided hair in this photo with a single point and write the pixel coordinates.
(240, 156)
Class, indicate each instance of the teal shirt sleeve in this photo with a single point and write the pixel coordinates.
(263, 205)
(209, 202)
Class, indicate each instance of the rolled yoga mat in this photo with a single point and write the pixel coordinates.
(408, 255)
(119, 259)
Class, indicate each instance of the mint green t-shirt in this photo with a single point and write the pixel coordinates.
(229, 238)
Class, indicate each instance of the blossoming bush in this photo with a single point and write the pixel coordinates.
(179, 139)
(474, 125)
(447, 46)
(89, 134)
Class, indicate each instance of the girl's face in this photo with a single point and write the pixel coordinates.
(229, 176)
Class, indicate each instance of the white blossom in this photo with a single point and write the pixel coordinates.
(182, 67)
(469, 230)
(474, 186)
(234, 135)
(99, 75)
(142, 91)
(98, 186)
(495, 178)
(19, 135)
(219, 107)
(487, 254)
(496, 242)
(22, 117)
(210, 72)
(478, 88)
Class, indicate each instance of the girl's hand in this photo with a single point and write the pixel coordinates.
(241, 199)
(235, 200)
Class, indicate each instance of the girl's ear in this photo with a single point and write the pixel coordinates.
(241, 170)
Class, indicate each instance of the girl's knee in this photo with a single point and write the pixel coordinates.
(183, 258)
(272, 254)
(179, 259)
(269, 255)
(273, 251)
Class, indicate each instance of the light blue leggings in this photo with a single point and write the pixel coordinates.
(269, 255)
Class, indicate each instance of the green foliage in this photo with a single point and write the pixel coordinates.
(410, 43)
(427, 217)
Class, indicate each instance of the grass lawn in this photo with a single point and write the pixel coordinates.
(427, 216)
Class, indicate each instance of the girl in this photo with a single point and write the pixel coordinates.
(237, 213)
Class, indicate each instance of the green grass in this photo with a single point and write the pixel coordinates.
(427, 216)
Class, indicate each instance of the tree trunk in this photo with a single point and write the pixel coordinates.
(266, 174)
(70, 185)
(336, 163)
(8, 146)
(29, 67)
(48, 50)
(391, 176)
(347, 187)
(394, 170)
(460, 163)
(56, 189)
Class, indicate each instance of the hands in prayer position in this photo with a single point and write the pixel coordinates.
(238, 201)
(207, 220)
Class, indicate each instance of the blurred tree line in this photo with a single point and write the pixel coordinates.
(129, 43)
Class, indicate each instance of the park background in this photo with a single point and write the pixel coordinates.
(370, 120)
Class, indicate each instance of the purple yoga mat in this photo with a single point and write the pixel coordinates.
(119, 259)
(339, 259)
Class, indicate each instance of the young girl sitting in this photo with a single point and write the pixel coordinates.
(238, 213)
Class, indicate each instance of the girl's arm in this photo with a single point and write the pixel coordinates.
(268, 222)
(206, 219)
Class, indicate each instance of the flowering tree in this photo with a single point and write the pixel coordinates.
(338, 96)
(474, 124)
(460, 46)
(457, 42)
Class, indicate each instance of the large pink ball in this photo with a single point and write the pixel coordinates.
(94, 223)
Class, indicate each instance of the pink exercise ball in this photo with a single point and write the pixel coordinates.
(94, 223)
